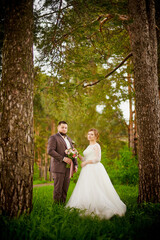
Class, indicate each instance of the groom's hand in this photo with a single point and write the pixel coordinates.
(75, 169)
(67, 160)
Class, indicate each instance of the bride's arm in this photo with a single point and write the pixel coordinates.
(97, 158)
(86, 162)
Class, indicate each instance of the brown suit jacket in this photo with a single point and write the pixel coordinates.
(56, 149)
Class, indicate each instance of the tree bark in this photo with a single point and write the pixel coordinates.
(53, 127)
(16, 139)
(46, 162)
(157, 7)
(40, 163)
(131, 130)
(135, 134)
(144, 49)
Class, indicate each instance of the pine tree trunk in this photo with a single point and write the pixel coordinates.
(53, 131)
(39, 158)
(131, 133)
(46, 162)
(53, 127)
(16, 140)
(144, 46)
(40, 164)
(135, 134)
(157, 7)
(135, 125)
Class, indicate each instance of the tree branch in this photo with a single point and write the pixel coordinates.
(107, 17)
(108, 74)
(51, 13)
(58, 18)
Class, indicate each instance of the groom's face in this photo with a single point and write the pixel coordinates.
(63, 128)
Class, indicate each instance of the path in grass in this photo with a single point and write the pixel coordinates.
(43, 185)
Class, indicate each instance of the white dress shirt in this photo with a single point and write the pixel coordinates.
(66, 141)
(68, 146)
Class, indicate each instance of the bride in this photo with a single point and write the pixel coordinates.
(94, 191)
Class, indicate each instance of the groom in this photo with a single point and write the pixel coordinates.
(57, 144)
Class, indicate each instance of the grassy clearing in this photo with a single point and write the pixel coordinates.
(51, 221)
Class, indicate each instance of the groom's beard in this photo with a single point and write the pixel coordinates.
(63, 134)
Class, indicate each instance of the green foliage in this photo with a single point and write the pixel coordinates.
(55, 101)
(127, 167)
(52, 221)
(79, 49)
(123, 169)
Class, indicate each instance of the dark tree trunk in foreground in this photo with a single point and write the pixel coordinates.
(144, 47)
(157, 6)
(16, 140)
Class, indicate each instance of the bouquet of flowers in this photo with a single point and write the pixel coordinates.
(71, 153)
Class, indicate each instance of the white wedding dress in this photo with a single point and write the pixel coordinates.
(94, 191)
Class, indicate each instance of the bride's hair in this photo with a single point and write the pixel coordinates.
(96, 133)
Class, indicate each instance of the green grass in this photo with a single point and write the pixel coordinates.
(52, 221)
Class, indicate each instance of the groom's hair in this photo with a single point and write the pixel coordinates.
(62, 122)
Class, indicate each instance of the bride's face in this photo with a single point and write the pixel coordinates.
(91, 136)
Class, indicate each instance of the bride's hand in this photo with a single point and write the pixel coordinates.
(83, 164)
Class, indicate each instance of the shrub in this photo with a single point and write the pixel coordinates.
(127, 167)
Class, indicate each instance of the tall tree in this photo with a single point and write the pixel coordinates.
(144, 47)
(16, 139)
(157, 7)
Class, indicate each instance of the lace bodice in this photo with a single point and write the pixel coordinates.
(92, 152)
